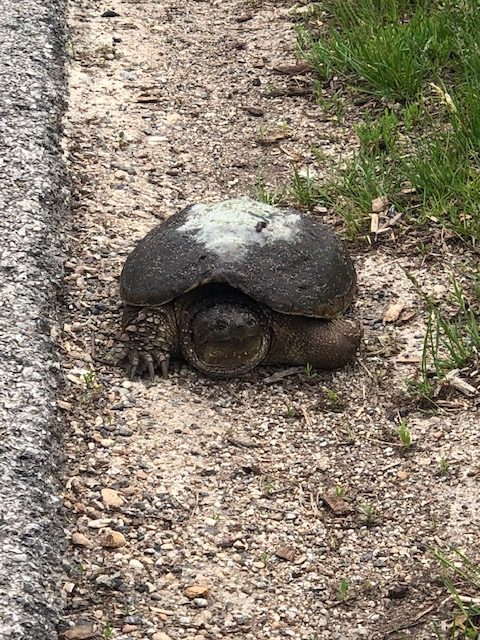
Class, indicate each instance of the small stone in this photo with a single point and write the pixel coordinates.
(200, 602)
(113, 540)
(286, 553)
(124, 431)
(112, 498)
(196, 591)
(80, 540)
(82, 632)
(110, 13)
(393, 312)
(379, 204)
(160, 635)
(439, 289)
(136, 565)
(69, 587)
(167, 546)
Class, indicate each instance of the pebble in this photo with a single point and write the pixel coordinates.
(195, 591)
(111, 498)
(200, 602)
(81, 540)
(136, 565)
(124, 431)
(113, 540)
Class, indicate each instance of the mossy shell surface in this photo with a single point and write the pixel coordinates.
(282, 258)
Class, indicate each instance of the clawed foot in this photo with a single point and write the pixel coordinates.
(140, 361)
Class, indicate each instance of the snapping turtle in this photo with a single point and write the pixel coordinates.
(233, 285)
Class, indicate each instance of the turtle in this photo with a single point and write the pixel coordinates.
(231, 285)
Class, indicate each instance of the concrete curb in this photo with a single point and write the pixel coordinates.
(34, 197)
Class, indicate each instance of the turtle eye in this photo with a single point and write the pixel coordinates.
(221, 324)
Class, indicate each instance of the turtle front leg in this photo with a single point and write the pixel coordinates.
(151, 339)
(324, 344)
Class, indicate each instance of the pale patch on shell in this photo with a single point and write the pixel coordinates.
(235, 226)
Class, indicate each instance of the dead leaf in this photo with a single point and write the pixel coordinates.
(393, 312)
(374, 222)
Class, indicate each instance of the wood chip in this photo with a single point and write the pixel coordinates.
(292, 69)
(286, 553)
(149, 99)
(196, 591)
(374, 221)
(453, 379)
(393, 312)
(272, 137)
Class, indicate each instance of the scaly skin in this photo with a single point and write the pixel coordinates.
(324, 344)
(152, 339)
(156, 334)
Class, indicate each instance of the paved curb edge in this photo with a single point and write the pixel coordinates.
(34, 202)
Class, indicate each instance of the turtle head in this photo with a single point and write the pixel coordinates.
(228, 333)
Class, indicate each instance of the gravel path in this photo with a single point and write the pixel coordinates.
(33, 200)
(257, 508)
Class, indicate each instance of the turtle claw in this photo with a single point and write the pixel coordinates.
(150, 367)
(164, 367)
(140, 361)
(163, 360)
(134, 361)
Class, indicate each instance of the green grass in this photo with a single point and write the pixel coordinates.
(420, 63)
(404, 433)
(462, 581)
(452, 336)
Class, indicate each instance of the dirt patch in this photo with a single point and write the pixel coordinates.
(224, 517)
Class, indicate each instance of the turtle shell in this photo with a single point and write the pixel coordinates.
(280, 257)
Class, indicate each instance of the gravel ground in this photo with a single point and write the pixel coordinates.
(260, 508)
(33, 201)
